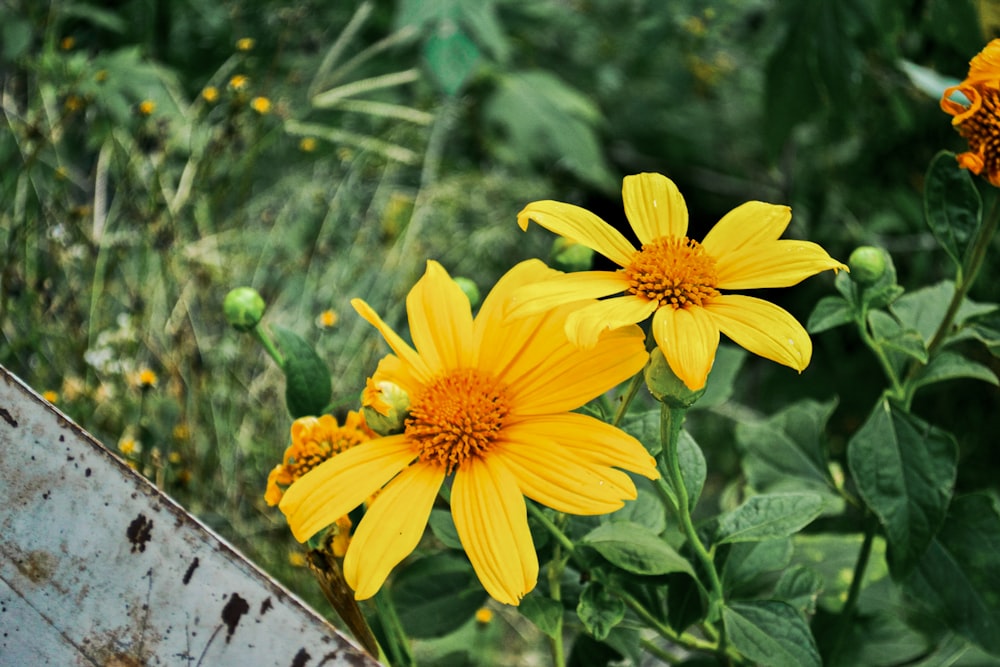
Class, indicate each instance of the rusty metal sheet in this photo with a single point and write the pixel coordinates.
(97, 567)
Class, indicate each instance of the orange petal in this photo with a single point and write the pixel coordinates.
(746, 225)
(688, 338)
(762, 328)
(654, 207)
(337, 486)
(579, 225)
(440, 320)
(391, 528)
(775, 264)
(585, 325)
(492, 523)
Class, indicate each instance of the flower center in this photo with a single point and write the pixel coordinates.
(457, 416)
(673, 271)
(982, 131)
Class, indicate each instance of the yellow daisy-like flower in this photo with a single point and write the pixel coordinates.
(678, 280)
(491, 400)
(314, 440)
(979, 122)
(146, 379)
(261, 105)
(210, 94)
(245, 44)
(307, 144)
(238, 81)
(147, 107)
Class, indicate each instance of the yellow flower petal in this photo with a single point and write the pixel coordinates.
(492, 523)
(337, 486)
(563, 288)
(551, 376)
(551, 473)
(749, 224)
(579, 225)
(405, 353)
(654, 207)
(688, 338)
(391, 369)
(440, 320)
(762, 328)
(391, 528)
(585, 325)
(776, 264)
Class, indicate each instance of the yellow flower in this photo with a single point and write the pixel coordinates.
(50, 396)
(147, 378)
(314, 440)
(147, 107)
(129, 446)
(677, 280)
(238, 82)
(979, 122)
(261, 105)
(327, 319)
(67, 43)
(491, 401)
(307, 144)
(210, 94)
(244, 44)
(484, 615)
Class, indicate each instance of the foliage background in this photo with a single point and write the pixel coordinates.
(432, 124)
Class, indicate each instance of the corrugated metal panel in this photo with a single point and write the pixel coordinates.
(97, 567)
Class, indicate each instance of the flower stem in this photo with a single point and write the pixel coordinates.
(269, 345)
(671, 422)
(555, 570)
(630, 393)
(857, 579)
(396, 639)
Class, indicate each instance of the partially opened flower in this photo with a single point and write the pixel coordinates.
(678, 280)
(490, 401)
(979, 122)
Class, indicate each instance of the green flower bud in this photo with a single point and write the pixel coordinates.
(470, 289)
(665, 386)
(244, 308)
(385, 407)
(867, 264)
(570, 256)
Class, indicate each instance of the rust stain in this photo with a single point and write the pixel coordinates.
(37, 566)
(232, 613)
(139, 532)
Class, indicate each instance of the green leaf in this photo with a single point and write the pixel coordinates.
(646, 510)
(436, 595)
(543, 611)
(770, 632)
(307, 379)
(16, 36)
(833, 556)
(635, 549)
(451, 56)
(443, 526)
(599, 610)
(744, 574)
(924, 309)
(830, 312)
(904, 469)
(889, 334)
(644, 427)
(950, 366)
(800, 587)
(958, 578)
(768, 516)
(787, 452)
(722, 380)
(692, 465)
(952, 205)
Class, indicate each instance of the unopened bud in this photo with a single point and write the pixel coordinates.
(570, 256)
(664, 384)
(867, 264)
(470, 289)
(384, 406)
(244, 308)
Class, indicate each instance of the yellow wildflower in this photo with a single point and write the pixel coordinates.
(244, 44)
(67, 43)
(261, 105)
(307, 144)
(483, 616)
(327, 319)
(129, 446)
(314, 440)
(979, 122)
(147, 378)
(491, 407)
(678, 280)
(210, 94)
(238, 81)
(74, 103)
(50, 396)
(147, 107)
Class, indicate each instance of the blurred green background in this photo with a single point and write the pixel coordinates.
(157, 154)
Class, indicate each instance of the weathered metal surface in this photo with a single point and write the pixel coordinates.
(97, 567)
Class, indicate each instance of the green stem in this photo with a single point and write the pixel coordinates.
(556, 566)
(630, 393)
(857, 579)
(883, 360)
(671, 422)
(394, 635)
(269, 345)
